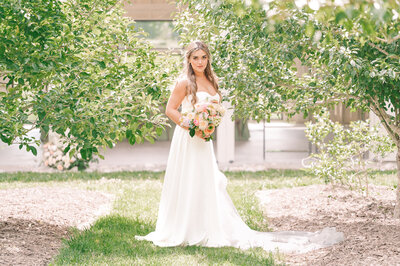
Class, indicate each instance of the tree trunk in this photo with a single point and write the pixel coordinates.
(397, 208)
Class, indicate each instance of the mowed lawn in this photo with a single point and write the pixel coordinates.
(110, 241)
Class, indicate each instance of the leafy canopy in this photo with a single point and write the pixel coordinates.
(78, 68)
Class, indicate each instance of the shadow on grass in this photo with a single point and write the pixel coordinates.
(113, 237)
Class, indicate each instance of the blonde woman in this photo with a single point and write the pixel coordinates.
(195, 208)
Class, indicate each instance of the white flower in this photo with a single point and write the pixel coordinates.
(203, 124)
(190, 116)
(221, 109)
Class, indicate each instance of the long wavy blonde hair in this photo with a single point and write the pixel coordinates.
(189, 72)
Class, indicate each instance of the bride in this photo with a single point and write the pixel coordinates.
(195, 208)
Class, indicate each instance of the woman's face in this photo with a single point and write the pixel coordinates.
(199, 60)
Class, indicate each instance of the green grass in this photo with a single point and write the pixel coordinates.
(110, 241)
(68, 176)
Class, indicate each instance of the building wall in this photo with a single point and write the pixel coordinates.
(150, 9)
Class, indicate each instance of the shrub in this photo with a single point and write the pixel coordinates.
(343, 154)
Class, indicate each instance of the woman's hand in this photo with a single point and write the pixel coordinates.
(200, 135)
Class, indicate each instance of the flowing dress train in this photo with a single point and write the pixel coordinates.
(195, 208)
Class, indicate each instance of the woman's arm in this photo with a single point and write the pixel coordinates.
(175, 100)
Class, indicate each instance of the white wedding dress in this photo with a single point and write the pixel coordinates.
(195, 208)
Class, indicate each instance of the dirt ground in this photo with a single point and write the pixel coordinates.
(34, 220)
(372, 236)
(27, 242)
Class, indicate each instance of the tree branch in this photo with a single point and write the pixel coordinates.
(390, 40)
(383, 51)
(385, 119)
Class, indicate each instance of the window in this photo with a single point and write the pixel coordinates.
(160, 33)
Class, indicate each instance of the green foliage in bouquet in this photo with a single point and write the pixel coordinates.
(192, 132)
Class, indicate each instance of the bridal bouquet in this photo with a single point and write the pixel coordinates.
(205, 117)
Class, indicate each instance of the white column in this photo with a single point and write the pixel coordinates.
(226, 137)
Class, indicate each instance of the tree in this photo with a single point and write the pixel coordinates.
(352, 51)
(78, 68)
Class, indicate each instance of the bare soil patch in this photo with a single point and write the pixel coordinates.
(27, 242)
(372, 236)
(33, 221)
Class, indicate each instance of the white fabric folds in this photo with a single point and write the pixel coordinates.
(195, 208)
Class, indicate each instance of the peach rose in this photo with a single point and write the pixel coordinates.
(209, 130)
(201, 108)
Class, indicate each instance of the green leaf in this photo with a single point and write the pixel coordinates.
(67, 149)
(150, 139)
(41, 115)
(84, 153)
(132, 140)
(129, 133)
(33, 149)
(192, 132)
(310, 29)
(109, 143)
(340, 16)
(102, 64)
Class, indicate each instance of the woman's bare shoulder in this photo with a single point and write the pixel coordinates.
(181, 85)
(184, 81)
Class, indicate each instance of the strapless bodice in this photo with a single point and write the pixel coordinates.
(202, 96)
